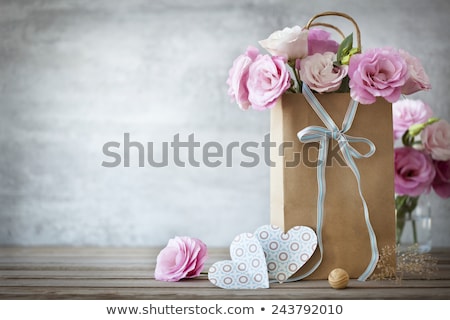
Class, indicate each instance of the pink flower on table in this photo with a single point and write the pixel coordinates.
(441, 183)
(417, 78)
(407, 112)
(268, 79)
(436, 140)
(319, 41)
(290, 43)
(379, 72)
(183, 257)
(238, 76)
(320, 74)
(414, 172)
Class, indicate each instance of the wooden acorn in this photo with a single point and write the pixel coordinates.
(338, 278)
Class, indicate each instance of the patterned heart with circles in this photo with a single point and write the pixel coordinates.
(247, 268)
(286, 252)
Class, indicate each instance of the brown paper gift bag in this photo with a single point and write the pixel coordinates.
(294, 181)
(349, 203)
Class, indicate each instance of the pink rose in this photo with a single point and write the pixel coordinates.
(320, 74)
(436, 140)
(414, 172)
(407, 112)
(290, 43)
(183, 257)
(268, 79)
(379, 72)
(238, 76)
(319, 42)
(441, 183)
(417, 78)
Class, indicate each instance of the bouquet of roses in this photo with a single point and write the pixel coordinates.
(422, 163)
(310, 56)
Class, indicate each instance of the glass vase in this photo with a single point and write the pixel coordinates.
(414, 226)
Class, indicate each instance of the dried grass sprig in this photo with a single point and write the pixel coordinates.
(411, 263)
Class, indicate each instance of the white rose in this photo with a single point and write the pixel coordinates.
(291, 43)
(436, 140)
(319, 73)
(417, 78)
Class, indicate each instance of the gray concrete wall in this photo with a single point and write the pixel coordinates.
(77, 74)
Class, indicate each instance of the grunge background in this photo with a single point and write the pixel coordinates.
(77, 74)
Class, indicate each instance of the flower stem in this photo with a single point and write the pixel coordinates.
(414, 231)
(296, 75)
(405, 205)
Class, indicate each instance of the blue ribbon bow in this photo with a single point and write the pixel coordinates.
(322, 135)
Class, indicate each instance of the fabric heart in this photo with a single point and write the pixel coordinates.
(247, 268)
(287, 252)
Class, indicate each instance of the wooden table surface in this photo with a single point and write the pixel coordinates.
(127, 273)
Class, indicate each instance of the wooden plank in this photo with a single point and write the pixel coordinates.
(93, 251)
(219, 294)
(127, 273)
(75, 273)
(203, 283)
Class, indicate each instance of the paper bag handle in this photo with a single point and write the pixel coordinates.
(311, 23)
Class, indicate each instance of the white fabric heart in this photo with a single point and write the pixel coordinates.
(286, 252)
(247, 268)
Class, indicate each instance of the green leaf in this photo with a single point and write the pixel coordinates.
(344, 85)
(345, 47)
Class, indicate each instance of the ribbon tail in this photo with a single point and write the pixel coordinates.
(372, 237)
(373, 243)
